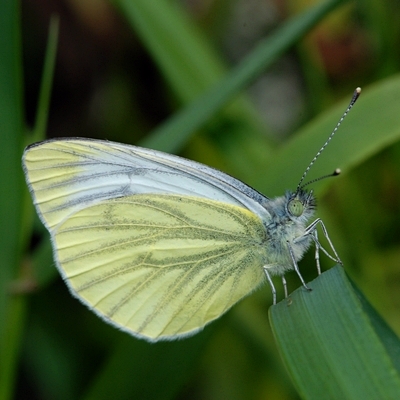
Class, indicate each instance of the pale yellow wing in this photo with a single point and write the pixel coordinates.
(161, 266)
(67, 175)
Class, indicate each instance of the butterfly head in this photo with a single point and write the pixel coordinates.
(300, 205)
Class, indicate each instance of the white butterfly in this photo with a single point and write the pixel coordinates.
(157, 245)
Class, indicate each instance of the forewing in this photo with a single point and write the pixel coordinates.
(67, 175)
(161, 266)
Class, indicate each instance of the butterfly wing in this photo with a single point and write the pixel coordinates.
(66, 175)
(157, 245)
(161, 266)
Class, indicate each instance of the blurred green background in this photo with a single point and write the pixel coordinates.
(262, 84)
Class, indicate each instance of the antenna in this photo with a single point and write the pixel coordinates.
(336, 172)
(356, 94)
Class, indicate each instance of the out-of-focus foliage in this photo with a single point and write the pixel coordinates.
(126, 67)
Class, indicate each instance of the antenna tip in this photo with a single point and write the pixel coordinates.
(356, 94)
(337, 172)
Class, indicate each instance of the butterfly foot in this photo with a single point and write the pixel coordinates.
(307, 288)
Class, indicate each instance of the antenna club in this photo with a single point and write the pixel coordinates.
(356, 94)
(337, 172)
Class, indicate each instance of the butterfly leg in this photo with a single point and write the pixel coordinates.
(271, 284)
(284, 286)
(312, 230)
(296, 267)
(317, 247)
(329, 241)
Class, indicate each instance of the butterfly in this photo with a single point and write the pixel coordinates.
(157, 245)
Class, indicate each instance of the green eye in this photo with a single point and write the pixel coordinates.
(295, 207)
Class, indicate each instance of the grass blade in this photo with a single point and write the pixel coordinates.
(329, 344)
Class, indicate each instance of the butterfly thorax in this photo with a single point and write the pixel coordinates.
(286, 227)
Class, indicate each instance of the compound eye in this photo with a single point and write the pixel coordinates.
(295, 207)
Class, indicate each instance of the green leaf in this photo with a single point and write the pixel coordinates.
(172, 135)
(11, 194)
(332, 344)
(14, 213)
(46, 82)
